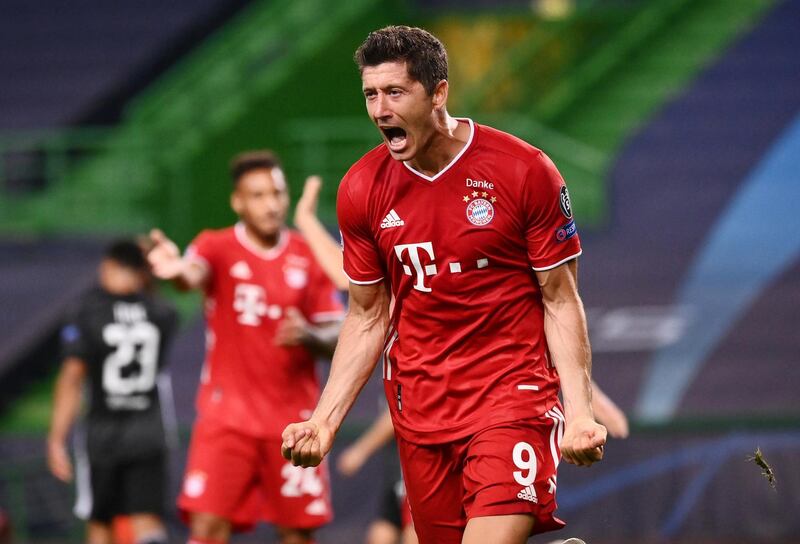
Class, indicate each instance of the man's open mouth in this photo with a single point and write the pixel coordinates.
(395, 137)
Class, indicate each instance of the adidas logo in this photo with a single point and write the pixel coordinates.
(392, 220)
(528, 494)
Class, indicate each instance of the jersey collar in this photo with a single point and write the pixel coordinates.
(454, 160)
(268, 254)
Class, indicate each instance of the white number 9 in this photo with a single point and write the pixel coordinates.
(525, 459)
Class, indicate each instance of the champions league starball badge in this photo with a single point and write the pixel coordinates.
(564, 202)
(480, 212)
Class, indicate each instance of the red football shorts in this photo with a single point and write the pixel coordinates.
(505, 469)
(245, 480)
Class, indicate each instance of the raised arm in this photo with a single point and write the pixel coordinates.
(374, 438)
(608, 413)
(167, 264)
(568, 342)
(322, 244)
(295, 330)
(358, 350)
(66, 403)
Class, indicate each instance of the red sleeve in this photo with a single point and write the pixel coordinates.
(549, 225)
(74, 341)
(322, 302)
(201, 249)
(362, 261)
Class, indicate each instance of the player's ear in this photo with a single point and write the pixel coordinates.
(440, 95)
(104, 271)
(236, 202)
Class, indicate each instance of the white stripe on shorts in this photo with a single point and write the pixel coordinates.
(83, 478)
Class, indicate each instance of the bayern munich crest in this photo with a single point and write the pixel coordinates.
(480, 212)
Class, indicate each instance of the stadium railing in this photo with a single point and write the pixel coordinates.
(39, 195)
(143, 162)
(131, 177)
(49, 199)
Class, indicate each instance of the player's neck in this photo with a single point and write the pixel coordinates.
(447, 140)
(261, 241)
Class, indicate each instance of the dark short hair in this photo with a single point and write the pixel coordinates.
(248, 161)
(127, 253)
(423, 53)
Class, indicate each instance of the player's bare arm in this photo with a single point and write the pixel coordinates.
(379, 433)
(167, 263)
(608, 413)
(66, 403)
(359, 348)
(568, 342)
(324, 247)
(319, 338)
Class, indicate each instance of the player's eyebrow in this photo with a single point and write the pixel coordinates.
(388, 87)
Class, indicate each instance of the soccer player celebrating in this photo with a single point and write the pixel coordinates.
(116, 341)
(270, 309)
(472, 230)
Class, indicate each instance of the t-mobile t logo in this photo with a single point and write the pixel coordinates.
(420, 270)
(250, 301)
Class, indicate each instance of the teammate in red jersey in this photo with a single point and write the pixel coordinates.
(269, 307)
(472, 230)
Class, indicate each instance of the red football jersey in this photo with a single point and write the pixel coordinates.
(466, 348)
(249, 382)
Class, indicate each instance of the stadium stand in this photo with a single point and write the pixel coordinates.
(64, 63)
(684, 168)
(678, 185)
(651, 180)
(33, 301)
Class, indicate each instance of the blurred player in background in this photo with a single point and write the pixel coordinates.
(115, 340)
(6, 531)
(394, 521)
(393, 524)
(472, 230)
(269, 309)
(327, 251)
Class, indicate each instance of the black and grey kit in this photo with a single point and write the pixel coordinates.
(121, 449)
